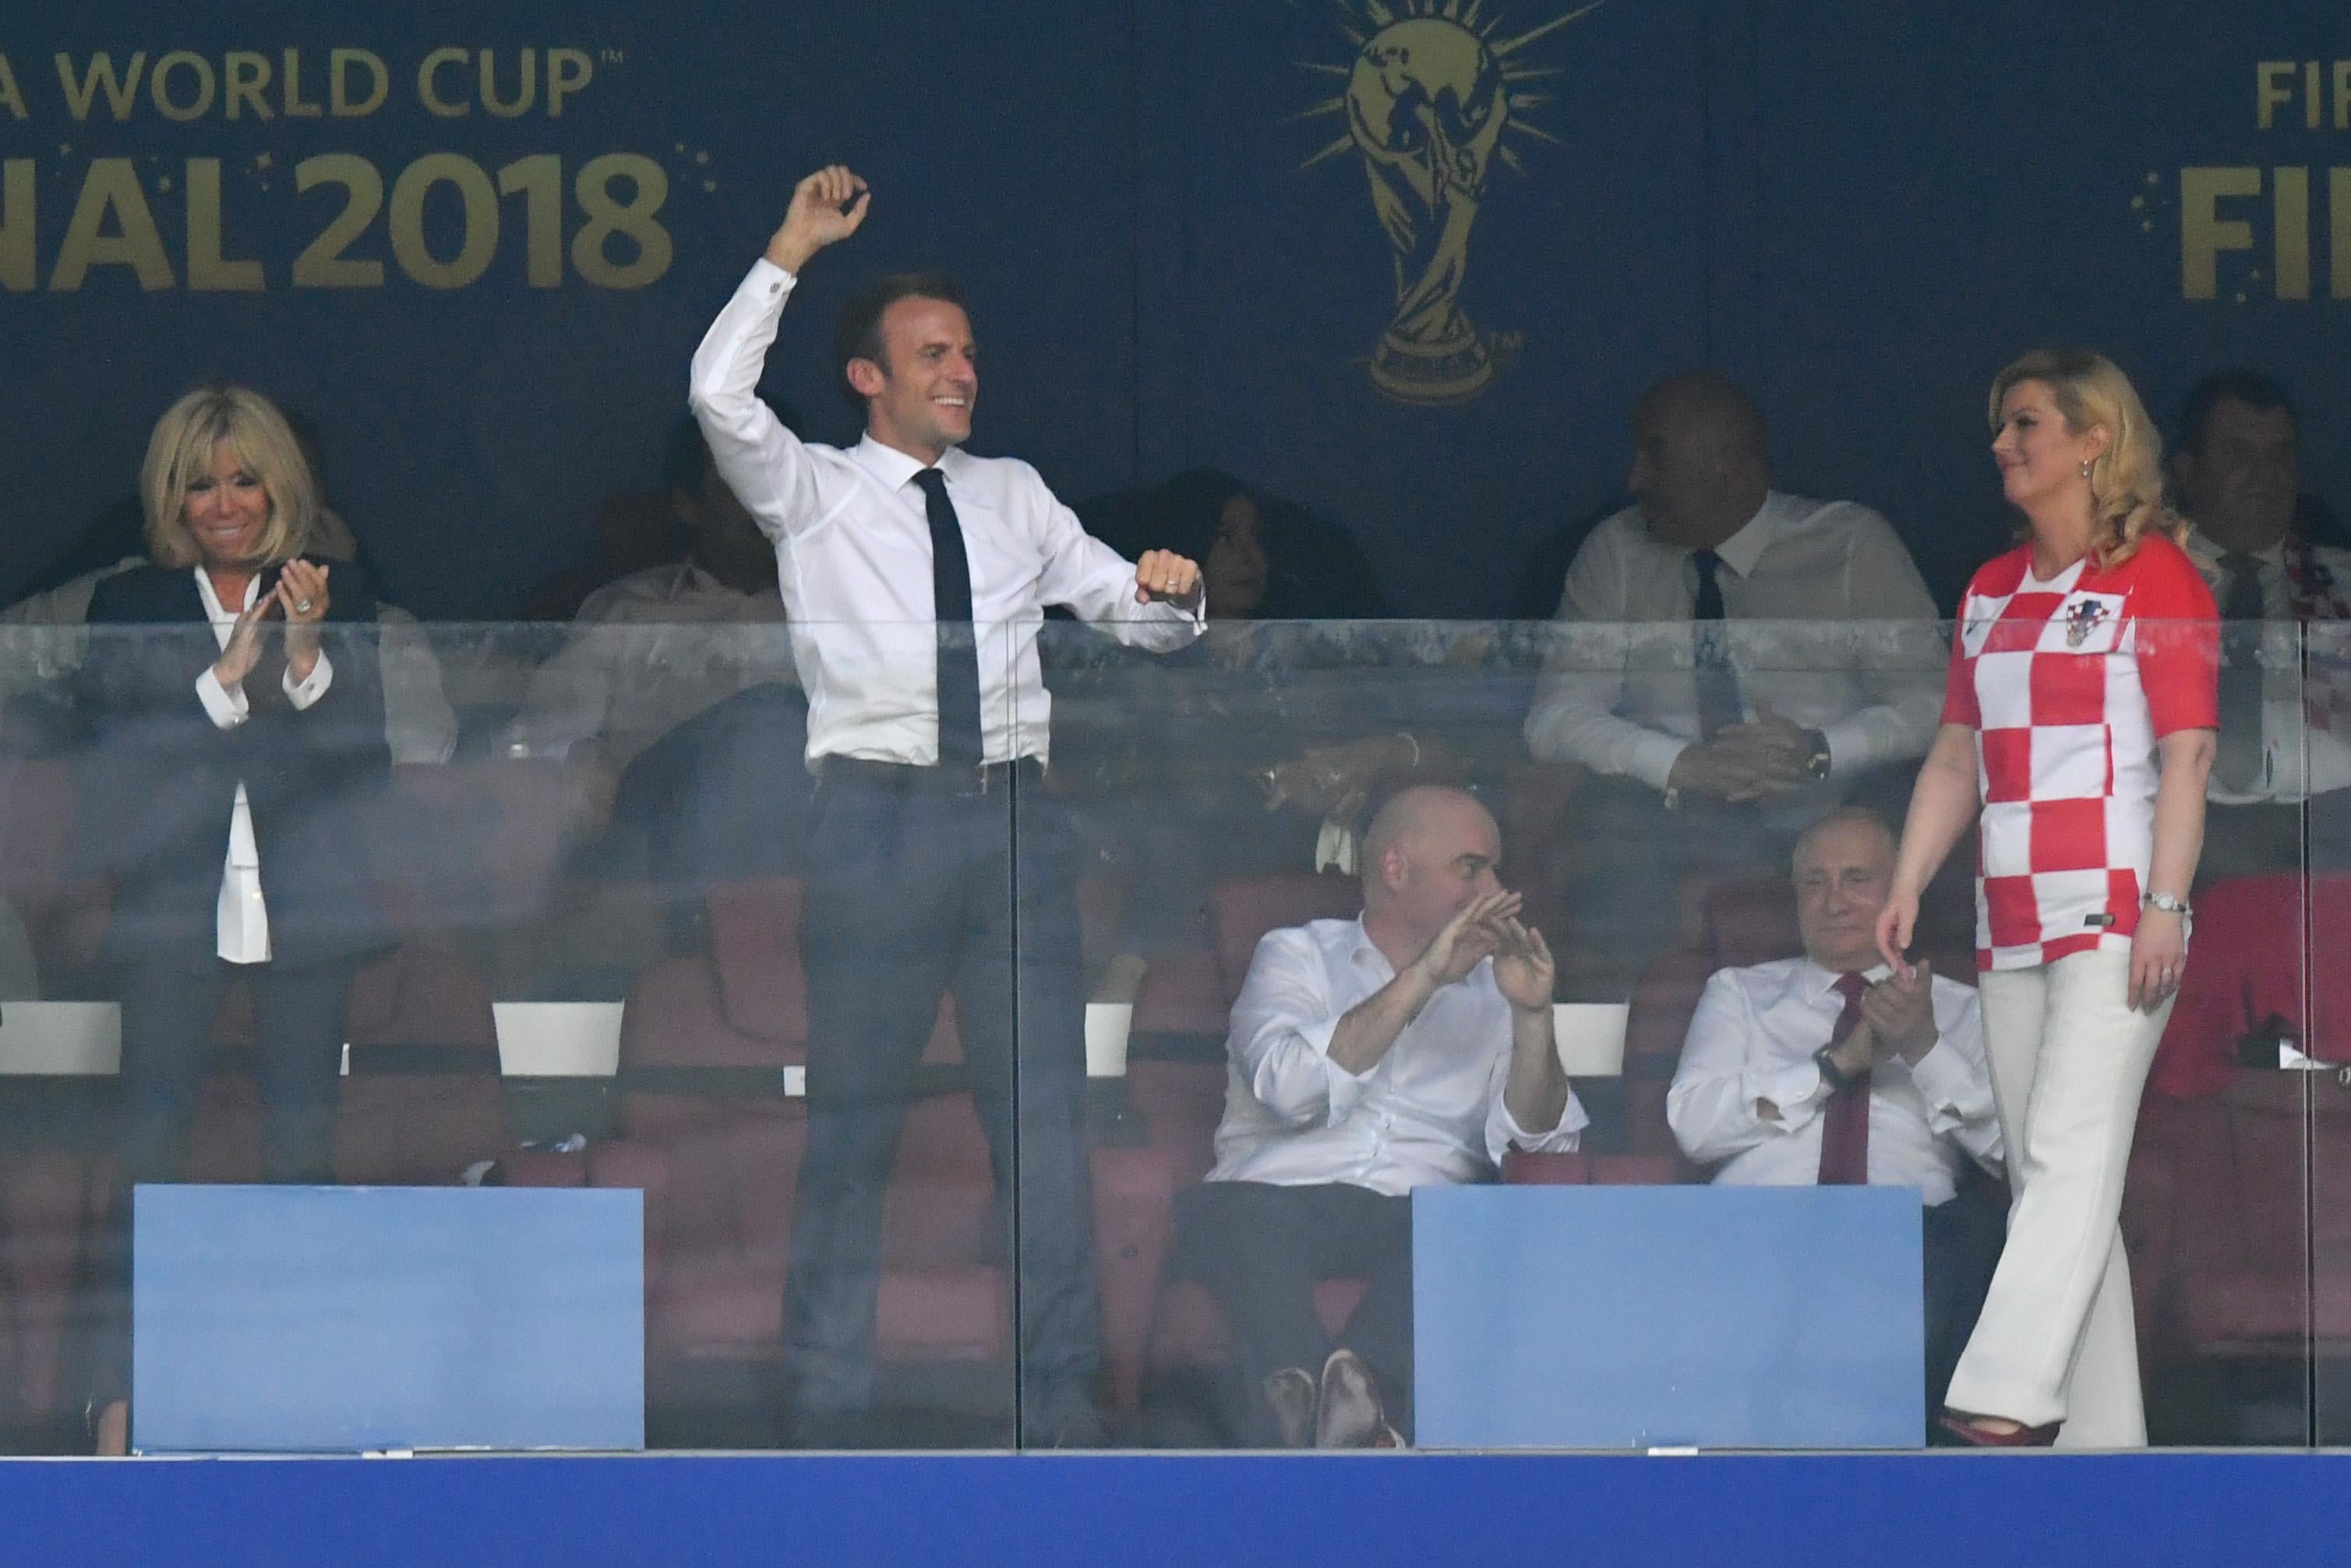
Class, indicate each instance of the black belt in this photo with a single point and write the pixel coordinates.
(909, 778)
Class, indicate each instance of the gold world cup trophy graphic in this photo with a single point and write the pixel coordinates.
(1430, 96)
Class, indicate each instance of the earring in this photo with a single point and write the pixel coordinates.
(2085, 468)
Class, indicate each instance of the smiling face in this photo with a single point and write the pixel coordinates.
(2040, 455)
(919, 396)
(227, 509)
(1843, 872)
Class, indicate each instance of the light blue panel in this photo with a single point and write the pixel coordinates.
(1616, 1317)
(337, 1319)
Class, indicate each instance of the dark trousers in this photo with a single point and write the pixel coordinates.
(1261, 1249)
(1962, 1241)
(910, 893)
(168, 1012)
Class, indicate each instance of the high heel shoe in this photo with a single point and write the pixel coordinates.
(1965, 1428)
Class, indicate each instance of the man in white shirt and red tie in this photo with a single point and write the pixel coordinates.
(1409, 1046)
(1829, 1068)
(914, 577)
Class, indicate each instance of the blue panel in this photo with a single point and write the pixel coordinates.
(1932, 1511)
(1601, 1317)
(345, 1318)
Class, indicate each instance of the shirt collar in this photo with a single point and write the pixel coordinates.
(896, 468)
(1363, 951)
(214, 608)
(1743, 550)
(1817, 982)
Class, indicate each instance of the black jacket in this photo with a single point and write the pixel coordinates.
(158, 782)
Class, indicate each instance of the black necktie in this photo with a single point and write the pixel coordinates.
(959, 745)
(2238, 762)
(1718, 683)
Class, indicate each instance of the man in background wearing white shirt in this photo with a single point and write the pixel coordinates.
(914, 578)
(1829, 1068)
(1409, 1046)
(1733, 662)
(2286, 722)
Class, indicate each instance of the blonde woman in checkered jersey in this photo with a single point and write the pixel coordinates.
(2079, 723)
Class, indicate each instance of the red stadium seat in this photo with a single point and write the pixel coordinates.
(710, 1134)
(1243, 909)
(423, 1100)
(50, 1197)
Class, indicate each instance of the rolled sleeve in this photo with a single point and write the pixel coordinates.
(1281, 1031)
(226, 706)
(1503, 1133)
(304, 693)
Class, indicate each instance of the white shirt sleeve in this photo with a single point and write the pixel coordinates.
(303, 693)
(763, 462)
(1904, 676)
(1954, 1079)
(1573, 717)
(1281, 1031)
(224, 706)
(1503, 1133)
(1097, 584)
(1710, 1104)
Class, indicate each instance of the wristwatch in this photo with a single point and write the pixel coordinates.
(1825, 1059)
(1817, 764)
(2168, 904)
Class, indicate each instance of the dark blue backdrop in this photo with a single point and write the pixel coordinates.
(1860, 211)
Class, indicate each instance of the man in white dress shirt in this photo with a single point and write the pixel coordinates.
(1733, 662)
(914, 577)
(2285, 724)
(1409, 1046)
(1829, 1068)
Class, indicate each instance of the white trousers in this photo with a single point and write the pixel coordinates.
(2057, 1340)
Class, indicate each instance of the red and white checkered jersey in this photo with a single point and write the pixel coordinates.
(2068, 685)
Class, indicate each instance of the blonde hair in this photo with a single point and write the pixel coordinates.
(181, 452)
(2126, 479)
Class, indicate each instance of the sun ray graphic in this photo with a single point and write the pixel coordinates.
(1361, 21)
(1433, 97)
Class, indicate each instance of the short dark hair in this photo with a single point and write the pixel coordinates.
(2254, 389)
(858, 334)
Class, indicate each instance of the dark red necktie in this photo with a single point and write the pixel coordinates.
(1845, 1119)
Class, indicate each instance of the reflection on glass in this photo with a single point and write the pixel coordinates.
(574, 974)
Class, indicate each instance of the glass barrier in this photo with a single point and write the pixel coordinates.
(1055, 1106)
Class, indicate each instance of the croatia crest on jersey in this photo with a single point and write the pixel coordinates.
(2082, 620)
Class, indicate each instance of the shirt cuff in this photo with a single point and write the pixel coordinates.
(771, 281)
(226, 706)
(1651, 758)
(1564, 1139)
(1797, 1090)
(1848, 743)
(302, 694)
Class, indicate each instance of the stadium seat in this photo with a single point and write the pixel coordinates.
(51, 1196)
(423, 1100)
